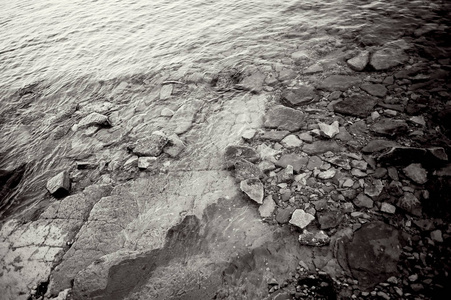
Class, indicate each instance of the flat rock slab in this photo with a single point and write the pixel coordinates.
(150, 146)
(358, 106)
(59, 185)
(390, 128)
(253, 83)
(253, 187)
(363, 201)
(299, 96)
(387, 58)
(319, 147)
(284, 118)
(274, 135)
(338, 82)
(234, 153)
(373, 253)
(375, 89)
(378, 145)
(329, 219)
(296, 161)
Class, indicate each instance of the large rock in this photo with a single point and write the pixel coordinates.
(234, 153)
(319, 147)
(373, 253)
(150, 146)
(359, 62)
(301, 219)
(374, 89)
(339, 82)
(357, 105)
(284, 118)
(253, 187)
(59, 185)
(416, 173)
(301, 95)
(387, 58)
(390, 128)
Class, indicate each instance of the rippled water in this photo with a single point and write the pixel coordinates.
(57, 54)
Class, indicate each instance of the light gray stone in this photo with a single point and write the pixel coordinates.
(301, 219)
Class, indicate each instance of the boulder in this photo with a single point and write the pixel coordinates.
(284, 118)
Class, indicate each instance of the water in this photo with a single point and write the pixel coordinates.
(68, 53)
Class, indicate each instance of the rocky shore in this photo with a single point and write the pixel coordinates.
(323, 176)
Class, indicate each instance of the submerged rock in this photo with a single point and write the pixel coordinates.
(284, 118)
(387, 58)
(253, 187)
(359, 62)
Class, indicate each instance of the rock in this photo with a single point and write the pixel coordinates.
(380, 173)
(284, 118)
(363, 201)
(339, 161)
(315, 68)
(291, 141)
(327, 174)
(94, 119)
(59, 185)
(298, 162)
(145, 162)
(166, 112)
(419, 120)
(374, 188)
(393, 173)
(438, 153)
(444, 171)
(358, 173)
(253, 187)
(359, 62)
(378, 145)
(235, 153)
(344, 135)
(319, 147)
(390, 128)
(166, 91)
(314, 162)
(299, 96)
(283, 216)
(356, 105)
(306, 137)
(249, 134)
(374, 89)
(348, 183)
(410, 203)
(266, 210)
(388, 208)
(183, 118)
(339, 82)
(329, 131)
(387, 58)
(359, 164)
(301, 219)
(253, 83)
(317, 239)
(416, 173)
(373, 253)
(246, 170)
(286, 74)
(329, 219)
(403, 155)
(150, 146)
(174, 146)
(266, 166)
(436, 236)
(274, 135)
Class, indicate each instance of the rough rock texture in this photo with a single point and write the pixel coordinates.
(59, 185)
(390, 128)
(150, 146)
(94, 119)
(359, 62)
(378, 90)
(416, 173)
(284, 118)
(232, 154)
(317, 238)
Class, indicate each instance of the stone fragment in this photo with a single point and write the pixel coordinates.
(253, 187)
(298, 162)
(291, 141)
(339, 161)
(390, 128)
(246, 170)
(286, 74)
(359, 164)
(378, 145)
(363, 201)
(93, 119)
(388, 208)
(301, 219)
(328, 174)
(249, 134)
(235, 153)
(166, 91)
(274, 135)
(356, 105)
(339, 82)
(358, 173)
(59, 185)
(166, 112)
(329, 131)
(284, 118)
(145, 162)
(343, 135)
(437, 236)
(315, 68)
(306, 137)
(416, 173)
(438, 153)
(410, 203)
(318, 238)
(299, 96)
(150, 146)
(419, 120)
(283, 216)
(266, 210)
(329, 219)
(374, 89)
(387, 58)
(359, 62)
(380, 173)
(374, 188)
(348, 182)
(174, 146)
(253, 83)
(444, 171)
(319, 147)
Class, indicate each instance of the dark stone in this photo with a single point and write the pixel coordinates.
(298, 162)
(329, 219)
(274, 135)
(359, 62)
(299, 96)
(374, 89)
(349, 194)
(284, 118)
(380, 173)
(410, 204)
(378, 145)
(390, 128)
(246, 170)
(319, 147)
(283, 216)
(402, 155)
(357, 105)
(9, 180)
(373, 253)
(234, 153)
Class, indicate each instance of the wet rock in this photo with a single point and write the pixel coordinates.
(246, 170)
(318, 238)
(315, 68)
(287, 74)
(359, 62)
(402, 155)
(174, 146)
(374, 188)
(235, 153)
(183, 118)
(274, 135)
(388, 208)
(283, 216)
(387, 58)
(299, 96)
(373, 253)
(298, 162)
(291, 141)
(146, 162)
(150, 146)
(253, 83)
(374, 89)
(329, 219)
(390, 128)
(166, 112)
(266, 210)
(284, 118)
(410, 203)
(301, 219)
(356, 105)
(253, 187)
(59, 185)
(338, 82)
(363, 201)
(329, 131)
(166, 91)
(416, 173)
(319, 147)
(94, 119)
(378, 145)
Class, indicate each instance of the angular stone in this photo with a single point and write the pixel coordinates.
(284, 118)
(298, 162)
(306, 137)
(266, 210)
(249, 134)
(166, 91)
(410, 203)
(358, 106)
(94, 119)
(416, 173)
(390, 128)
(59, 185)
(387, 58)
(253, 83)
(343, 135)
(330, 219)
(317, 239)
(235, 153)
(150, 146)
(339, 161)
(419, 120)
(315, 68)
(314, 162)
(319, 147)
(328, 174)
(299, 96)
(301, 219)
(166, 112)
(246, 170)
(174, 146)
(380, 173)
(291, 141)
(329, 131)
(374, 188)
(437, 236)
(339, 82)
(438, 153)
(378, 145)
(274, 135)
(253, 187)
(283, 216)
(145, 162)
(388, 208)
(358, 173)
(374, 89)
(359, 62)
(363, 201)
(359, 164)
